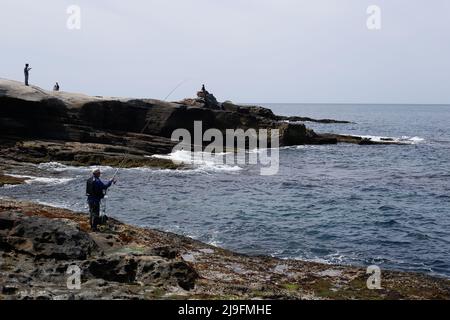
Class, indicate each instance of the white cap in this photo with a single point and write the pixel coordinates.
(96, 170)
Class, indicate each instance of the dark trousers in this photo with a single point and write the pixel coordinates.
(26, 79)
(94, 214)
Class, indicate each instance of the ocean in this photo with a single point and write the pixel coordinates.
(387, 205)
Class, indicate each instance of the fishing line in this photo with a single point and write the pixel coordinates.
(141, 132)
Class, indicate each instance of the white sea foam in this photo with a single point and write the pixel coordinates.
(50, 204)
(333, 258)
(402, 139)
(59, 167)
(9, 186)
(415, 139)
(269, 150)
(54, 166)
(42, 180)
(200, 161)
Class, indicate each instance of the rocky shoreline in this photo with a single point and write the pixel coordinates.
(41, 126)
(39, 243)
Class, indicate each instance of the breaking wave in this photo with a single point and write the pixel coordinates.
(200, 161)
(402, 139)
(59, 167)
(42, 180)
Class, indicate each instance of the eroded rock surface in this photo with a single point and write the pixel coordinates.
(38, 244)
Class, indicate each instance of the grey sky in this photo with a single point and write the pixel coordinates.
(244, 50)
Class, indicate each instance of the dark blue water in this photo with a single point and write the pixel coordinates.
(387, 205)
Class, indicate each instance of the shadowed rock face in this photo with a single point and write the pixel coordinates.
(43, 119)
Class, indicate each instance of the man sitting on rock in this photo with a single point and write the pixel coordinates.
(204, 92)
(208, 99)
(95, 191)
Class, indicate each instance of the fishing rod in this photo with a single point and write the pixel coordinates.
(115, 174)
(174, 89)
(165, 99)
(141, 132)
(148, 122)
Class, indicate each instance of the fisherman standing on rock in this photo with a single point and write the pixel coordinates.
(26, 72)
(95, 191)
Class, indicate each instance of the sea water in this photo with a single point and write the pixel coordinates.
(387, 205)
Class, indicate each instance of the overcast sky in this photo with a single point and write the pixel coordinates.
(316, 51)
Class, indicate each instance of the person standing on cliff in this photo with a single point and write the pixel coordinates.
(95, 191)
(26, 71)
(56, 87)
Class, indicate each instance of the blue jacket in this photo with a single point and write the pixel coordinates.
(99, 186)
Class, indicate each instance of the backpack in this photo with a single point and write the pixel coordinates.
(91, 189)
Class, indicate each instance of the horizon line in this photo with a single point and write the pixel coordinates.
(353, 103)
